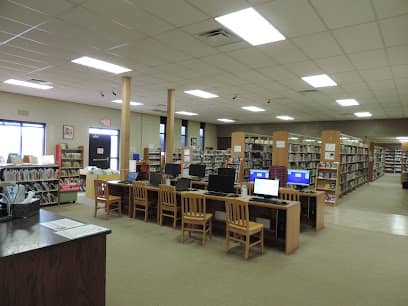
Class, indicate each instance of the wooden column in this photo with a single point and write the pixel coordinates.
(170, 125)
(125, 128)
(280, 149)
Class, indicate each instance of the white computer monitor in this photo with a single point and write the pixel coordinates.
(266, 187)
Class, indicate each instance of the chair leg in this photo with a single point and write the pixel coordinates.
(210, 229)
(190, 231)
(262, 240)
(226, 241)
(247, 246)
(204, 233)
(146, 213)
(96, 208)
(161, 216)
(175, 219)
(182, 231)
(120, 208)
(107, 211)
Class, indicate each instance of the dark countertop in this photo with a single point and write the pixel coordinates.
(25, 235)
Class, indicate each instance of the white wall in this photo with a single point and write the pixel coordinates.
(54, 113)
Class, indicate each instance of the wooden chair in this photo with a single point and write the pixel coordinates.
(140, 199)
(168, 204)
(238, 224)
(106, 200)
(193, 212)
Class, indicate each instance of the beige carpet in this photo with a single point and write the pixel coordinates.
(341, 265)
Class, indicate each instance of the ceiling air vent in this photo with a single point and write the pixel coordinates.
(308, 91)
(156, 110)
(38, 81)
(218, 38)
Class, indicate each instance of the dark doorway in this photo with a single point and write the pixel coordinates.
(99, 150)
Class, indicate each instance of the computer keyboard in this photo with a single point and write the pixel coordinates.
(126, 182)
(216, 193)
(269, 201)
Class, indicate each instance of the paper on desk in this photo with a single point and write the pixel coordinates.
(61, 224)
(81, 231)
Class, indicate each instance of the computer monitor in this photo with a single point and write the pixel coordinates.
(221, 183)
(172, 169)
(132, 176)
(155, 179)
(197, 170)
(183, 184)
(266, 188)
(257, 173)
(299, 177)
(226, 171)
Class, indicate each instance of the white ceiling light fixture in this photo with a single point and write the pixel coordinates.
(100, 65)
(309, 140)
(133, 103)
(284, 117)
(347, 102)
(226, 120)
(186, 113)
(293, 138)
(251, 26)
(363, 114)
(402, 138)
(27, 84)
(320, 80)
(201, 93)
(252, 108)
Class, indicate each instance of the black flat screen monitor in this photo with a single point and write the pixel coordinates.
(172, 169)
(266, 188)
(183, 184)
(197, 170)
(221, 183)
(226, 171)
(155, 179)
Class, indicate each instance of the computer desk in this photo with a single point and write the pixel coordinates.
(125, 189)
(292, 215)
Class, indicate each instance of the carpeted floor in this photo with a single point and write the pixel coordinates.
(341, 265)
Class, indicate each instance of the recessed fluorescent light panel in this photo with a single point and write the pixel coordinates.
(347, 102)
(402, 138)
(285, 118)
(27, 84)
(131, 102)
(226, 120)
(293, 138)
(253, 108)
(101, 65)
(320, 80)
(251, 26)
(363, 114)
(201, 93)
(186, 113)
(309, 140)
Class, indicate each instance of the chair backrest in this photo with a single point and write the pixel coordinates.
(237, 213)
(193, 204)
(250, 187)
(289, 194)
(101, 189)
(167, 195)
(139, 191)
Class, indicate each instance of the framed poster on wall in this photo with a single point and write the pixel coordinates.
(67, 132)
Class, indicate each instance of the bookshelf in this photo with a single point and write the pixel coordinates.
(214, 159)
(254, 151)
(354, 163)
(42, 179)
(70, 161)
(153, 159)
(392, 162)
(327, 180)
(404, 165)
(376, 162)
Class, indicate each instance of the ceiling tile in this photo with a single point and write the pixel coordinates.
(346, 77)
(377, 74)
(217, 8)
(400, 71)
(292, 17)
(389, 8)
(395, 30)
(369, 59)
(278, 73)
(335, 64)
(359, 38)
(304, 68)
(225, 63)
(318, 45)
(342, 13)
(398, 55)
(252, 57)
(176, 12)
(283, 52)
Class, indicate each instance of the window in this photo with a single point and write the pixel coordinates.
(163, 121)
(202, 135)
(184, 126)
(114, 145)
(23, 138)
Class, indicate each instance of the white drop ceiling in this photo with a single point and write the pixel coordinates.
(361, 44)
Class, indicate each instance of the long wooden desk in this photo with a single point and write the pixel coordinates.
(292, 214)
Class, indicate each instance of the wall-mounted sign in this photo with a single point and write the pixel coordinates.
(106, 122)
